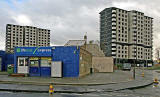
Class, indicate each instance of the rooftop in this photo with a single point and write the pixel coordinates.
(75, 43)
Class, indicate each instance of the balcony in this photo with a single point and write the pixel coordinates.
(113, 27)
(134, 18)
(113, 36)
(113, 11)
(114, 32)
(113, 23)
(113, 48)
(113, 19)
(113, 40)
(113, 44)
(113, 15)
(113, 53)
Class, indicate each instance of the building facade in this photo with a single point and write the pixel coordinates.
(38, 61)
(126, 35)
(28, 36)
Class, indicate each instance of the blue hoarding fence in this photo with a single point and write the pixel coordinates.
(69, 55)
(9, 59)
(2, 63)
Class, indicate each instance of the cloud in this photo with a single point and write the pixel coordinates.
(67, 19)
(22, 19)
(125, 5)
(70, 19)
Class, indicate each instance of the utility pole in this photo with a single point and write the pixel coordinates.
(116, 53)
(135, 59)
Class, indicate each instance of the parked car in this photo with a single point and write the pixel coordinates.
(126, 66)
(149, 64)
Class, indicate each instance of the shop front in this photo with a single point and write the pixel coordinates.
(35, 61)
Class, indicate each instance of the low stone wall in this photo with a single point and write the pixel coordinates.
(102, 64)
(85, 62)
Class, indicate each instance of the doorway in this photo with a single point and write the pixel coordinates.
(23, 65)
(34, 66)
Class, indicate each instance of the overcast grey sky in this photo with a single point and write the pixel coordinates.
(69, 19)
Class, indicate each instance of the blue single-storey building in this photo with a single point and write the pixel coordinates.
(39, 61)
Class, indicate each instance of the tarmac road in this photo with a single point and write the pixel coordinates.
(110, 94)
(149, 91)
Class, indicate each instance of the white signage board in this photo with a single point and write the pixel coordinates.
(56, 69)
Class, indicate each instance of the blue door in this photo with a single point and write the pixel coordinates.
(34, 69)
(45, 65)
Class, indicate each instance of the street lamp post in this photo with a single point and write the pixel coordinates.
(134, 72)
(135, 59)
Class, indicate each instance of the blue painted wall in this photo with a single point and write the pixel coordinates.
(2, 55)
(45, 71)
(34, 71)
(6, 59)
(69, 55)
(9, 59)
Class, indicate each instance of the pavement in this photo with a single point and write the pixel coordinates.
(97, 82)
(92, 79)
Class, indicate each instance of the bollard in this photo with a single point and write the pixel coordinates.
(51, 90)
(156, 81)
(142, 74)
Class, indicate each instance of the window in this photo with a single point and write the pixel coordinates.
(21, 62)
(34, 63)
